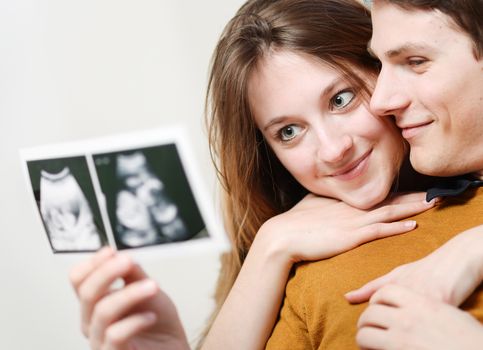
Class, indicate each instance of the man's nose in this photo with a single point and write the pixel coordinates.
(389, 96)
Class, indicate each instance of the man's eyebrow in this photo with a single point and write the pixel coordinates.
(407, 48)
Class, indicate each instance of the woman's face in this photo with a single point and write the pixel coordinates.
(322, 132)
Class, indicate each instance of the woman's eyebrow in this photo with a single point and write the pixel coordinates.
(327, 91)
(331, 87)
(274, 121)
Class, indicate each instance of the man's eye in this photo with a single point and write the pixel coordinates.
(416, 61)
(342, 99)
(418, 64)
(289, 132)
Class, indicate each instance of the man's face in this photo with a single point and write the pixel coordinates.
(433, 85)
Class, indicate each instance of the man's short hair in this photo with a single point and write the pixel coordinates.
(467, 14)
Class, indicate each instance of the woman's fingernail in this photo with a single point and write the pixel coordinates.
(410, 224)
(349, 294)
(148, 286)
(123, 257)
(433, 201)
(149, 316)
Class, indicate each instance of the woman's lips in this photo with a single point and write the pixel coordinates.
(354, 170)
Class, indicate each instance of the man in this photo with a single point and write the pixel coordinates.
(432, 83)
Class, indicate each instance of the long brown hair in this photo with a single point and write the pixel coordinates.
(256, 186)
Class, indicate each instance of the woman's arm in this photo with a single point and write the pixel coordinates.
(449, 274)
(140, 315)
(316, 228)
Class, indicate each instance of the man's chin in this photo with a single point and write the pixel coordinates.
(432, 165)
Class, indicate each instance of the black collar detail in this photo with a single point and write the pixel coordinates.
(452, 187)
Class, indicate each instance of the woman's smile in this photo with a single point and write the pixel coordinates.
(353, 169)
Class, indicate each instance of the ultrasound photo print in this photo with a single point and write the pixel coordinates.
(149, 199)
(67, 204)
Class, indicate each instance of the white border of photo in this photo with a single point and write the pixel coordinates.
(216, 241)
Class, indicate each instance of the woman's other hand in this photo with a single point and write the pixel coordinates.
(319, 228)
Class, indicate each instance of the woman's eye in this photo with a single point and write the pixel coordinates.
(342, 99)
(289, 132)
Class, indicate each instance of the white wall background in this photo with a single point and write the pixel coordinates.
(72, 70)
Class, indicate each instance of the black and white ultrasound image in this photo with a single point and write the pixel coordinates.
(148, 197)
(66, 200)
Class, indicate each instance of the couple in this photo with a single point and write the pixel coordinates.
(310, 173)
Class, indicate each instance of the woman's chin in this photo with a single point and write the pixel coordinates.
(368, 200)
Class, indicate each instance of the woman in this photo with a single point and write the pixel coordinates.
(289, 122)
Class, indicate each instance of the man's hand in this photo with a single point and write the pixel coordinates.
(398, 318)
(449, 274)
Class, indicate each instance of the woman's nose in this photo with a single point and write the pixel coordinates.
(334, 149)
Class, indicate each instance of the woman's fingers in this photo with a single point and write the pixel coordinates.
(80, 271)
(135, 274)
(343, 243)
(115, 306)
(383, 229)
(379, 230)
(119, 333)
(98, 284)
(399, 211)
(405, 198)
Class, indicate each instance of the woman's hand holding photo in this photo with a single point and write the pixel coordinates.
(137, 315)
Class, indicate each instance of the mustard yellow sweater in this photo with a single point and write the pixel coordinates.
(315, 314)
